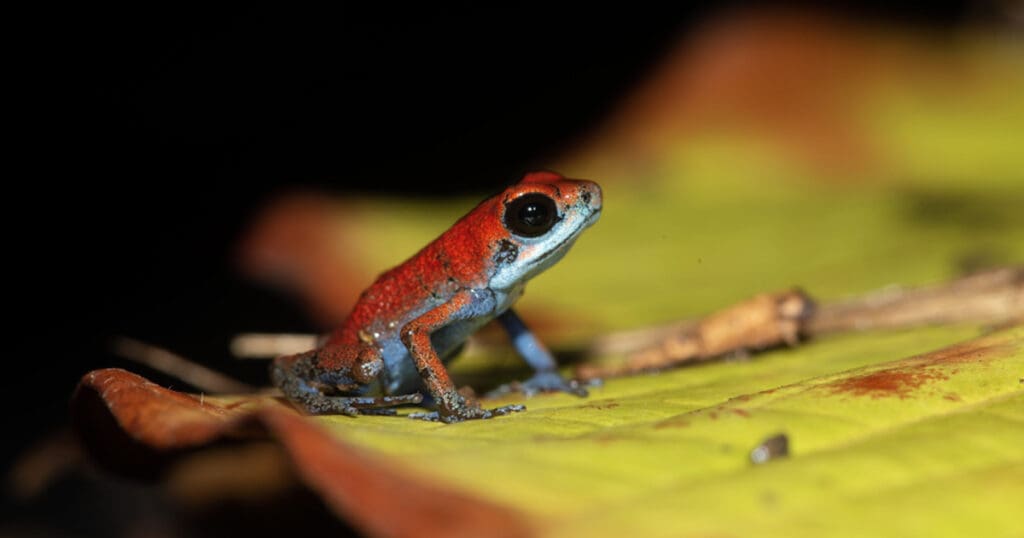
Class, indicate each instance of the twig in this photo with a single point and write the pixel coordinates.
(994, 296)
(174, 365)
(771, 320)
(269, 345)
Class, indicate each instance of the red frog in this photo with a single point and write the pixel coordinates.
(417, 316)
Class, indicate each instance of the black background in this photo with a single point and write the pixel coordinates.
(148, 135)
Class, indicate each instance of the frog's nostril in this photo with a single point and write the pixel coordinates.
(592, 196)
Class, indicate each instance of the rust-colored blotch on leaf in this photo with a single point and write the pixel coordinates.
(907, 376)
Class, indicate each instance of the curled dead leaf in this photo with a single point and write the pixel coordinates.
(137, 427)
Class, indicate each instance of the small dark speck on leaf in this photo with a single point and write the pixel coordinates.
(776, 446)
(672, 423)
(600, 406)
(769, 498)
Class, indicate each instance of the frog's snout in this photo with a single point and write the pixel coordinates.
(591, 196)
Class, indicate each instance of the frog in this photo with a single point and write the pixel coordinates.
(416, 317)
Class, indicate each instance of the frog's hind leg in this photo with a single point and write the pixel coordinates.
(546, 377)
(304, 383)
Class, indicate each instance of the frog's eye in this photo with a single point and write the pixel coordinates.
(531, 215)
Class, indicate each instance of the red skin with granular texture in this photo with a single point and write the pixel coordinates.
(418, 314)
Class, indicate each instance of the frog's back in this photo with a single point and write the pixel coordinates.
(424, 281)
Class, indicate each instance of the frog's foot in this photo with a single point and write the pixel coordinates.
(468, 412)
(358, 405)
(549, 381)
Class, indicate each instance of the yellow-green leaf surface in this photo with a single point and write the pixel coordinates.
(880, 444)
(917, 432)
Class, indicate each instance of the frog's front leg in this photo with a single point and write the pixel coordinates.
(546, 377)
(304, 378)
(451, 406)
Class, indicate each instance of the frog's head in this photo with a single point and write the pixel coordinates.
(542, 216)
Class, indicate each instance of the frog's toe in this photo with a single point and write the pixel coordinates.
(402, 399)
(429, 416)
(473, 412)
(385, 412)
(468, 412)
(507, 410)
(354, 406)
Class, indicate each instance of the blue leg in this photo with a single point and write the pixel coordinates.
(546, 378)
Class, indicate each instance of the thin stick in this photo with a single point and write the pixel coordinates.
(784, 318)
(175, 365)
(269, 345)
(994, 296)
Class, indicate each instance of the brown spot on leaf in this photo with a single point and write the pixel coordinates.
(600, 406)
(605, 438)
(674, 422)
(967, 352)
(886, 383)
(905, 376)
(741, 412)
(953, 397)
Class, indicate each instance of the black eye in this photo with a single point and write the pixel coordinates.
(531, 215)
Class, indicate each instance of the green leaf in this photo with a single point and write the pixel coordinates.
(669, 454)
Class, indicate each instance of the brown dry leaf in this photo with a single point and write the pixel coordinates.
(136, 426)
(309, 244)
(796, 79)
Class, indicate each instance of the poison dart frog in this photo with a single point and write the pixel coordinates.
(417, 316)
